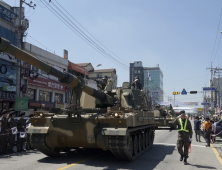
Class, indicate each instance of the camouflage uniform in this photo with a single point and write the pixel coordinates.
(21, 125)
(4, 133)
(183, 137)
(11, 141)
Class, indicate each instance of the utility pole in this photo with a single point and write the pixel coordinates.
(21, 29)
(212, 85)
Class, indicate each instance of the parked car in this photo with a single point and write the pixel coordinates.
(218, 126)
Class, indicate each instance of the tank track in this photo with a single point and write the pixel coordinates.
(38, 142)
(130, 147)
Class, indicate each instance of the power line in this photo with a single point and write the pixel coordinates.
(83, 36)
(89, 32)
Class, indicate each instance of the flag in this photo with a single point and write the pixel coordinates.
(14, 130)
(28, 125)
(22, 134)
(149, 76)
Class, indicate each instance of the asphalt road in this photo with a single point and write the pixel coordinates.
(162, 156)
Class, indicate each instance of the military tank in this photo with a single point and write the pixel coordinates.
(164, 116)
(127, 130)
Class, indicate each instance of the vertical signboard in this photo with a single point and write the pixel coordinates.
(21, 104)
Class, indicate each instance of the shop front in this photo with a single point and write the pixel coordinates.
(45, 91)
(7, 81)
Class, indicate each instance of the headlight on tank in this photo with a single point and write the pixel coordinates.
(40, 114)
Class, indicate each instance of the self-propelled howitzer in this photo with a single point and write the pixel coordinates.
(127, 130)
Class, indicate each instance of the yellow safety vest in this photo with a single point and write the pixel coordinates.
(181, 126)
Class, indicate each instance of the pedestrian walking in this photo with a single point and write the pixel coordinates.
(4, 132)
(21, 125)
(12, 124)
(197, 124)
(207, 131)
(28, 138)
(185, 133)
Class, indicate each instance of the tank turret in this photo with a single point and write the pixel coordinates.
(122, 120)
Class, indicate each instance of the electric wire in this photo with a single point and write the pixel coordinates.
(88, 39)
(84, 36)
(88, 31)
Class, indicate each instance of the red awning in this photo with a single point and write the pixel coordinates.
(78, 68)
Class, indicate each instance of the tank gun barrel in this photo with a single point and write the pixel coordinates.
(65, 78)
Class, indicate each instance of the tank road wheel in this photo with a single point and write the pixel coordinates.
(140, 139)
(144, 140)
(130, 146)
(135, 145)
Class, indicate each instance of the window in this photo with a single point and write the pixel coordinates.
(58, 98)
(99, 75)
(44, 96)
(135, 71)
(138, 71)
(31, 94)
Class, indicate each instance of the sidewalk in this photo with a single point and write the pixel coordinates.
(218, 145)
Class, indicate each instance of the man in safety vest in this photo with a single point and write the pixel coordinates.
(185, 133)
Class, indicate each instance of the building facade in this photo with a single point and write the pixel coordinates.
(153, 80)
(38, 86)
(8, 63)
(99, 74)
(136, 70)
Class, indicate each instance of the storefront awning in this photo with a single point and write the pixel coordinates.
(77, 68)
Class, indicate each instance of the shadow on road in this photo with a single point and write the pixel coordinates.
(201, 166)
(149, 160)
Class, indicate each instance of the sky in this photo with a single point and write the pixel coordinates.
(183, 37)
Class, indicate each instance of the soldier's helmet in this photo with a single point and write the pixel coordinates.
(105, 77)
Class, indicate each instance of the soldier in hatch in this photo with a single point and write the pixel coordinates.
(136, 84)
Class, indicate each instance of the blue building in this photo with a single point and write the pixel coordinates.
(153, 81)
(8, 68)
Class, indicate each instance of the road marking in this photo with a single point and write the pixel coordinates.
(73, 164)
(168, 144)
(216, 153)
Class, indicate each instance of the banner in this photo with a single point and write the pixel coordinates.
(21, 104)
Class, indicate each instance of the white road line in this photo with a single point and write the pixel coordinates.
(168, 144)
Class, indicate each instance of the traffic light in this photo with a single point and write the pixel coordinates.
(175, 93)
(193, 92)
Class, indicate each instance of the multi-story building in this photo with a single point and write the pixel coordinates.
(136, 70)
(153, 80)
(38, 86)
(8, 63)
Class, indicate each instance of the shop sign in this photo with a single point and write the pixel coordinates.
(8, 57)
(9, 88)
(49, 84)
(6, 14)
(35, 104)
(21, 104)
(5, 95)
